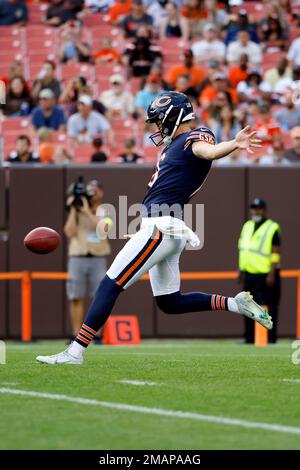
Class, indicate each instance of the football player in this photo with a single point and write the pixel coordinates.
(183, 167)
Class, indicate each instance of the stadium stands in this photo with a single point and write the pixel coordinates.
(33, 44)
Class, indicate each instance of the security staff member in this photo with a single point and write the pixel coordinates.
(259, 263)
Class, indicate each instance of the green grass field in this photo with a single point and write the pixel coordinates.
(211, 378)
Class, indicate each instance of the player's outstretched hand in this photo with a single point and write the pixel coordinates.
(247, 140)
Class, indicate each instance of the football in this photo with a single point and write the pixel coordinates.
(42, 240)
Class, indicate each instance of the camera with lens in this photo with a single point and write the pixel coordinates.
(79, 191)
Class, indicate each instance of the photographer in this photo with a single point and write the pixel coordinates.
(87, 252)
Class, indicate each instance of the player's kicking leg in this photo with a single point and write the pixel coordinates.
(154, 252)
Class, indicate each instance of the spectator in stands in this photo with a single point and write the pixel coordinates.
(106, 53)
(96, 6)
(118, 11)
(227, 126)
(294, 52)
(61, 11)
(211, 112)
(266, 126)
(254, 89)
(210, 47)
(244, 45)
(293, 154)
(136, 18)
(99, 156)
(195, 73)
(18, 99)
(282, 70)
(140, 56)
(130, 155)
(87, 124)
(183, 86)
(16, 70)
(212, 11)
(173, 26)
(288, 83)
(239, 22)
(118, 101)
(289, 116)
(70, 94)
(47, 148)
(275, 153)
(191, 13)
(48, 114)
(273, 35)
(23, 154)
(239, 73)
(219, 83)
(13, 12)
(236, 157)
(145, 96)
(46, 79)
(157, 10)
(73, 48)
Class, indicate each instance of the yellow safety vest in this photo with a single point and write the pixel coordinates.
(255, 248)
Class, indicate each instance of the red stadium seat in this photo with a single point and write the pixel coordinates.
(20, 124)
(270, 59)
(11, 55)
(82, 153)
(68, 71)
(37, 13)
(257, 11)
(286, 139)
(40, 31)
(95, 19)
(151, 154)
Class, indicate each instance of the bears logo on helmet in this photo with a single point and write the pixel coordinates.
(168, 111)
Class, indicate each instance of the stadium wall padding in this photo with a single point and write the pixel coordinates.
(36, 198)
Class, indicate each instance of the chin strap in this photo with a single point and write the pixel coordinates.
(168, 139)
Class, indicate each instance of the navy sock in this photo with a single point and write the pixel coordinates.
(176, 302)
(99, 311)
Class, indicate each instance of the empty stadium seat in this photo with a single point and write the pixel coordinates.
(20, 124)
(37, 12)
(68, 71)
(82, 153)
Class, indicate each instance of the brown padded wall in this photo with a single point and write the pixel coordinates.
(36, 199)
(3, 289)
(280, 188)
(3, 221)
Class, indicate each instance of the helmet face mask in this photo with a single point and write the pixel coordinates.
(168, 111)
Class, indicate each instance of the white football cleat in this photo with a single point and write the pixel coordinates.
(251, 309)
(62, 358)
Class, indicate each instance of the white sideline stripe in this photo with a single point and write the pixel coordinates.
(296, 381)
(157, 411)
(137, 382)
(8, 383)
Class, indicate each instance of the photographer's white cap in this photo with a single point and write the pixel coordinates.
(85, 99)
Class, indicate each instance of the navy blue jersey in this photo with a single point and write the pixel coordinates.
(179, 175)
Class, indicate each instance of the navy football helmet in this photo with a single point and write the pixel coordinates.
(168, 111)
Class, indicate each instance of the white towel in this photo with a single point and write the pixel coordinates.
(173, 227)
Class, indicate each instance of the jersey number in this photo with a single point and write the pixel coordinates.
(154, 176)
